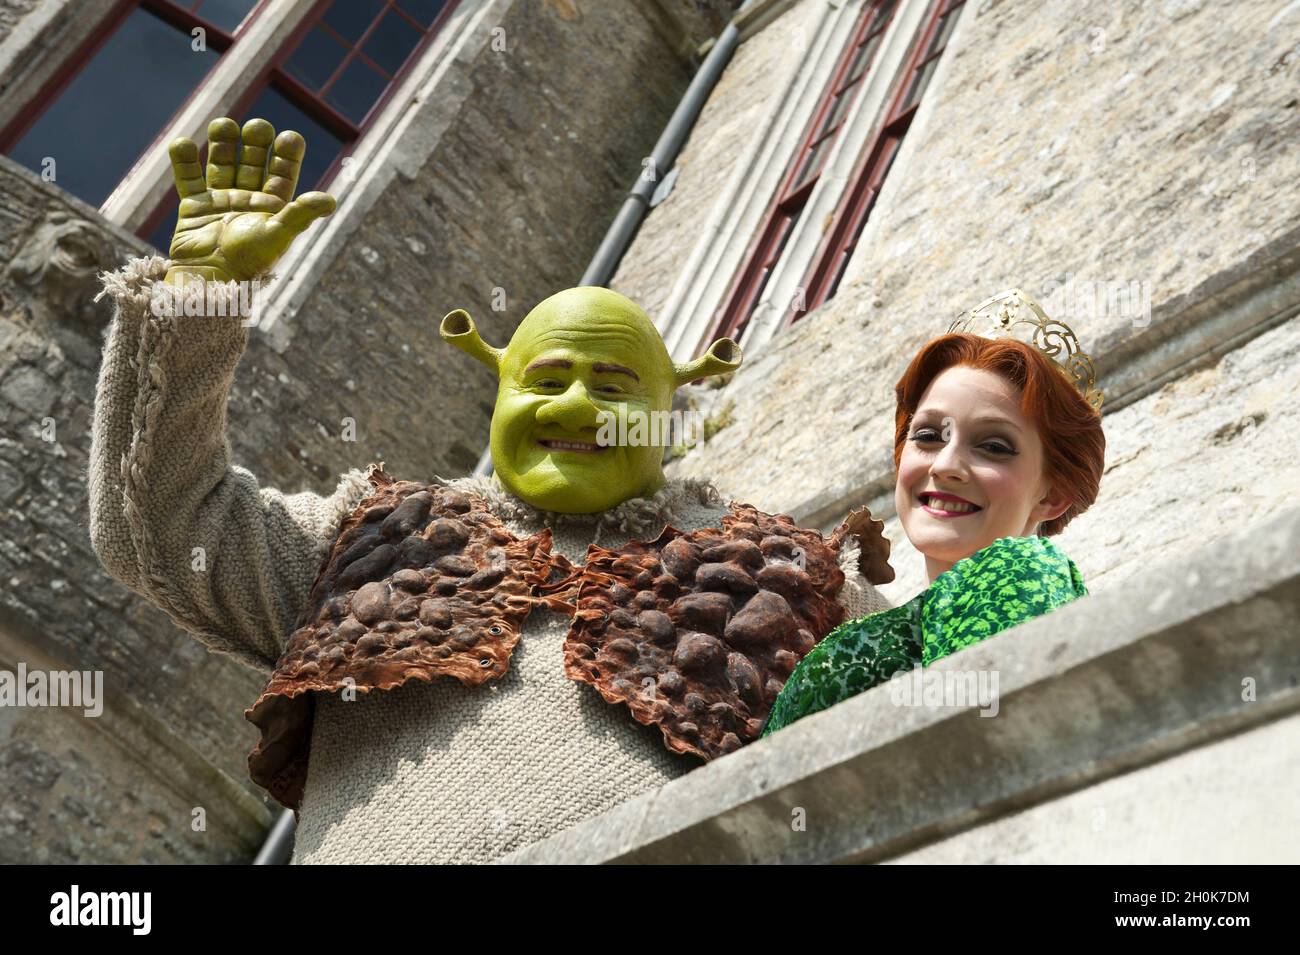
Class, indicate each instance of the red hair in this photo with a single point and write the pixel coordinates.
(1074, 448)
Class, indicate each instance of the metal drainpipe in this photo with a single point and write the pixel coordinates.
(279, 841)
(628, 220)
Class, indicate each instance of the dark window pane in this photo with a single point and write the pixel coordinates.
(812, 165)
(785, 225)
(944, 32)
(842, 101)
(426, 11)
(392, 42)
(839, 274)
(862, 58)
(161, 237)
(920, 83)
(323, 146)
(315, 59)
(891, 153)
(787, 230)
(884, 171)
(227, 14)
(351, 17)
(356, 91)
(92, 136)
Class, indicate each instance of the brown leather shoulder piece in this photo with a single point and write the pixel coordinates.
(873, 554)
(697, 632)
(421, 581)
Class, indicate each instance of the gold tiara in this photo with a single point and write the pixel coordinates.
(1007, 313)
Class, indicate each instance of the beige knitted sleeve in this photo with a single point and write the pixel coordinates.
(226, 559)
(858, 596)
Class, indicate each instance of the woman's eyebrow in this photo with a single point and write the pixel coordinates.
(982, 419)
(621, 369)
(997, 419)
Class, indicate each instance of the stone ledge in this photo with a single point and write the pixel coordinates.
(1231, 802)
(1108, 684)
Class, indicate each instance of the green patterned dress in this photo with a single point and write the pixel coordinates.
(1008, 582)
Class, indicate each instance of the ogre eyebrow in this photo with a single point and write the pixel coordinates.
(606, 366)
(550, 363)
(598, 366)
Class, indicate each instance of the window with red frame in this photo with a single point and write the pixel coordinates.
(119, 90)
(805, 169)
(851, 217)
(328, 82)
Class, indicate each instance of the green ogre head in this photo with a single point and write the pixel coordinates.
(579, 361)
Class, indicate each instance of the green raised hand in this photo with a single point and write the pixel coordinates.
(235, 222)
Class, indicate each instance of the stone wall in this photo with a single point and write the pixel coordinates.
(120, 787)
(12, 13)
(1229, 802)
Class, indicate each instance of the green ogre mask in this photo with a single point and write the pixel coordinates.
(580, 360)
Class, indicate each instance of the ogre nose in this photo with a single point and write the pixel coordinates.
(573, 410)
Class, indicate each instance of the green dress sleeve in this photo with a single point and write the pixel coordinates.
(1008, 582)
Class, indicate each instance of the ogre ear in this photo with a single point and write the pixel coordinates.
(458, 329)
(723, 356)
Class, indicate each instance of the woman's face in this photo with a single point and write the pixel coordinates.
(971, 470)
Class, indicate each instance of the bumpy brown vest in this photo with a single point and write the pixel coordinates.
(696, 632)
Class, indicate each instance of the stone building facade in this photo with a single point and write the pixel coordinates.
(1130, 164)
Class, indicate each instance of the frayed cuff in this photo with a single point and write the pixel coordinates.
(132, 284)
(135, 286)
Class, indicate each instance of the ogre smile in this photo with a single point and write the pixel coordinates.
(581, 447)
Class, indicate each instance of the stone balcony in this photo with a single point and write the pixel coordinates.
(1155, 722)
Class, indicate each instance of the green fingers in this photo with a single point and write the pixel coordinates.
(223, 151)
(185, 167)
(251, 172)
(305, 210)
